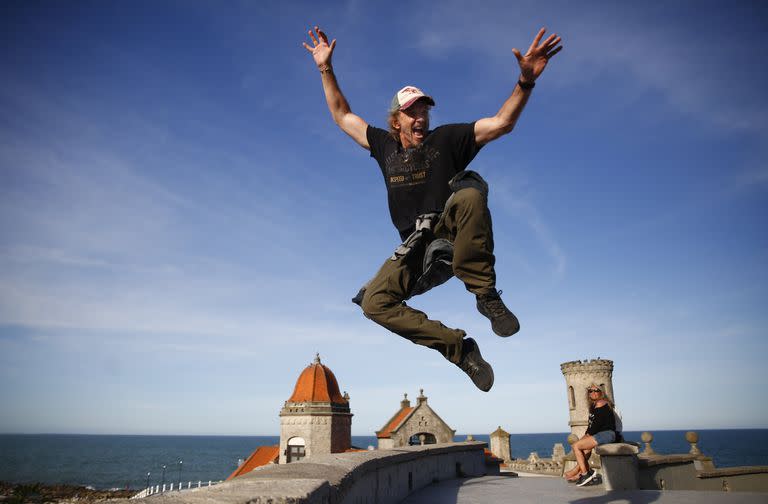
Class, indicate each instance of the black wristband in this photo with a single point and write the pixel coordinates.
(526, 85)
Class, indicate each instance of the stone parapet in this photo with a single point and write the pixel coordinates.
(381, 476)
(733, 471)
(617, 449)
(659, 459)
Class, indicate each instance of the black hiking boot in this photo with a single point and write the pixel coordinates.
(503, 321)
(476, 368)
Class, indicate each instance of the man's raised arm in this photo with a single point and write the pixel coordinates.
(322, 52)
(532, 64)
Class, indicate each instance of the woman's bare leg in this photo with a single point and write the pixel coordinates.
(580, 449)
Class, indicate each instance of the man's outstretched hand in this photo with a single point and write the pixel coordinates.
(321, 50)
(535, 60)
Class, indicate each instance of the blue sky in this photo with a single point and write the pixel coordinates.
(182, 225)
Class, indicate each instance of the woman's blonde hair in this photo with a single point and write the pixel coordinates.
(603, 395)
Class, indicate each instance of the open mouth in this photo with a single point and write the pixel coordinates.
(418, 131)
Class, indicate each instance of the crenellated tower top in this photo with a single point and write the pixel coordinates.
(591, 366)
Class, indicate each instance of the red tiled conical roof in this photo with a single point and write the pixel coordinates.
(317, 384)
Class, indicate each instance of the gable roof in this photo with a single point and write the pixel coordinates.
(438, 417)
(395, 422)
(261, 456)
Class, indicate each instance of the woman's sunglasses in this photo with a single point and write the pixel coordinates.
(593, 390)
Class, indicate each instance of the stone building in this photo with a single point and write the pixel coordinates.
(316, 418)
(578, 376)
(414, 425)
(500, 446)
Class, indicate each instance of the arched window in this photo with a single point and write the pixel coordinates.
(295, 449)
(422, 438)
(571, 398)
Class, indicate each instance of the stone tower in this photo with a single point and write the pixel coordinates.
(500, 446)
(578, 376)
(316, 419)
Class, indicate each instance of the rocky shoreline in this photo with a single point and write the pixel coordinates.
(16, 493)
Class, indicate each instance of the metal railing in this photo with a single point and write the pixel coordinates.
(171, 487)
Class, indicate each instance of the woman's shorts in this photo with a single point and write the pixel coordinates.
(604, 437)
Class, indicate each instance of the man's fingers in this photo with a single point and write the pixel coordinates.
(548, 40)
(536, 40)
(306, 46)
(517, 54)
(312, 36)
(550, 54)
(552, 44)
(322, 35)
(333, 44)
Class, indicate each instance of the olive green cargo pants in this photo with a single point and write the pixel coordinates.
(466, 222)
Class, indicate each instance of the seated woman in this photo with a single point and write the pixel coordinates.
(600, 430)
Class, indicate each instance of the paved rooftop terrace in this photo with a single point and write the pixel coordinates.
(547, 490)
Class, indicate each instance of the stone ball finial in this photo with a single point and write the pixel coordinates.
(693, 438)
(572, 438)
(647, 437)
(470, 437)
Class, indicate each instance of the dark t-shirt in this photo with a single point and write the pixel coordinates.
(601, 419)
(417, 178)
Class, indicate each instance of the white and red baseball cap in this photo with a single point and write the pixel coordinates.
(407, 97)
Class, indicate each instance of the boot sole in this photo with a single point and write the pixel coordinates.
(490, 369)
(497, 331)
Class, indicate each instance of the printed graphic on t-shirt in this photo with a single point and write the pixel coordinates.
(410, 166)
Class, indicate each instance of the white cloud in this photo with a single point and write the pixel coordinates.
(638, 47)
(510, 193)
(752, 178)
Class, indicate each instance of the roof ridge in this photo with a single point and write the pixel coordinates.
(394, 422)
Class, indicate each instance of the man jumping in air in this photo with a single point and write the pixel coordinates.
(437, 206)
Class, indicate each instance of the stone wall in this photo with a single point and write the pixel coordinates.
(376, 476)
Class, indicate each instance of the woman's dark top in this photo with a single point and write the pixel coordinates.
(601, 419)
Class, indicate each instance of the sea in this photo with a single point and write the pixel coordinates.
(134, 462)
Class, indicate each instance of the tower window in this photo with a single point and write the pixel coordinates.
(295, 449)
